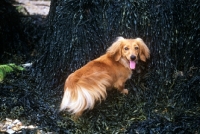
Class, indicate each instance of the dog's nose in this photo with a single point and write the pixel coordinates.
(133, 57)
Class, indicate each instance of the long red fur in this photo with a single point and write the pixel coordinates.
(87, 85)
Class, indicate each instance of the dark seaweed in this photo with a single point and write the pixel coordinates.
(163, 98)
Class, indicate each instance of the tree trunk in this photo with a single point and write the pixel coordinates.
(79, 31)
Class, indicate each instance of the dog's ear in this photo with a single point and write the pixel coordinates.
(144, 50)
(115, 49)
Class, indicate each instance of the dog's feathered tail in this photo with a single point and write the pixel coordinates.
(85, 92)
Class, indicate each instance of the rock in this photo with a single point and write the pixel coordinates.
(34, 7)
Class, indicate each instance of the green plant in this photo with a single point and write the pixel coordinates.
(8, 68)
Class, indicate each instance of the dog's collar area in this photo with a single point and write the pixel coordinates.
(124, 62)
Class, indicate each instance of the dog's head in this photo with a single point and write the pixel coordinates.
(130, 50)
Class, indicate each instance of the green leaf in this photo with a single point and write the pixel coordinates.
(8, 68)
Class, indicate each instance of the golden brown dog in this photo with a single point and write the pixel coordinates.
(88, 84)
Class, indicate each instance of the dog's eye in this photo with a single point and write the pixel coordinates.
(136, 48)
(126, 48)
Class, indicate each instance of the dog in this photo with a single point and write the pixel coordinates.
(89, 84)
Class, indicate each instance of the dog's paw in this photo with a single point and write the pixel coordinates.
(125, 91)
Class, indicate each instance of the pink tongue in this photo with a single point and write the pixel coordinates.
(132, 64)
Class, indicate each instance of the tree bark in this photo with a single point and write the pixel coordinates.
(79, 31)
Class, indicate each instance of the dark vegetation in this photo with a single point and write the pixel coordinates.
(163, 98)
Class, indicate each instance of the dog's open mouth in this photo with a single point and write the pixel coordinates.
(132, 64)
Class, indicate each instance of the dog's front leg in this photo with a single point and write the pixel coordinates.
(120, 87)
(124, 91)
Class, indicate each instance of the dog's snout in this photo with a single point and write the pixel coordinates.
(133, 57)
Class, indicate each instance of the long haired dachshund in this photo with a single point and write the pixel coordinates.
(88, 84)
